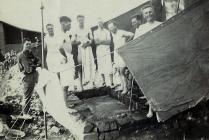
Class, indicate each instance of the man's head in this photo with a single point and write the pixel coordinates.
(50, 29)
(136, 21)
(27, 44)
(80, 20)
(100, 23)
(112, 26)
(148, 13)
(65, 23)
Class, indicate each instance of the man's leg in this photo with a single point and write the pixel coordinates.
(93, 78)
(93, 72)
(123, 80)
(58, 75)
(111, 80)
(80, 78)
(103, 80)
(28, 89)
(65, 93)
(150, 112)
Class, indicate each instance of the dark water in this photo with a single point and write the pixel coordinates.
(192, 124)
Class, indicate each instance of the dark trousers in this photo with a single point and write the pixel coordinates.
(29, 81)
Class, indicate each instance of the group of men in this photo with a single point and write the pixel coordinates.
(75, 47)
(69, 53)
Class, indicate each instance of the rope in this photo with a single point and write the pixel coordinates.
(23, 124)
(19, 114)
(89, 61)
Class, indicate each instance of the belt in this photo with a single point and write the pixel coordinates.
(25, 73)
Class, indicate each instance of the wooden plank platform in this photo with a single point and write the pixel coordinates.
(104, 115)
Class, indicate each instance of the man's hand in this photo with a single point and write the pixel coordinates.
(76, 42)
(113, 64)
(29, 70)
(97, 42)
(85, 45)
(64, 60)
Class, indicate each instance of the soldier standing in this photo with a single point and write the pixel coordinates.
(27, 64)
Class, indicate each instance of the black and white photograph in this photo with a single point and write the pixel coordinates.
(104, 69)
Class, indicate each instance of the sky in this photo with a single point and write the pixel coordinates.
(26, 14)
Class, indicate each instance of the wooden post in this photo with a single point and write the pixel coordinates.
(130, 103)
(42, 55)
(22, 37)
(2, 38)
(45, 124)
(42, 34)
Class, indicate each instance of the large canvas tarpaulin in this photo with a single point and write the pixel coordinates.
(171, 62)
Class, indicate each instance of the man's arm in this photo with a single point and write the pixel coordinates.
(128, 35)
(107, 41)
(104, 42)
(24, 62)
(45, 55)
(62, 51)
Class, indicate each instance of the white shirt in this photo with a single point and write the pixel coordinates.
(65, 42)
(81, 35)
(144, 28)
(54, 57)
(102, 34)
(52, 44)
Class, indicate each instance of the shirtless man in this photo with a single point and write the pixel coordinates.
(120, 37)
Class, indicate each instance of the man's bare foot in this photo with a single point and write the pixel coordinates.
(142, 97)
(85, 83)
(79, 88)
(124, 92)
(93, 85)
(150, 114)
(71, 111)
(112, 86)
(119, 88)
(103, 84)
